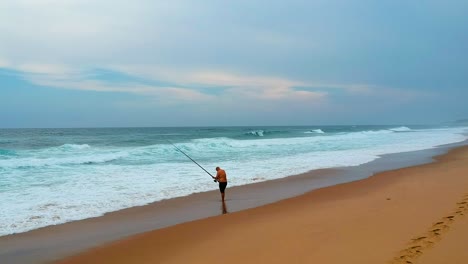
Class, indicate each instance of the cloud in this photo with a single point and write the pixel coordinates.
(168, 95)
(300, 51)
(196, 86)
(214, 78)
(255, 87)
(216, 87)
(47, 69)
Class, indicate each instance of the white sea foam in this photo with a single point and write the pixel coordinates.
(400, 129)
(30, 162)
(258, 133)
(74, 146)
(318, 131)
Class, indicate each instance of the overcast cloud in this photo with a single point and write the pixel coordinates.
(176, 63)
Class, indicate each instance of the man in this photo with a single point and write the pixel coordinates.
(222, 180)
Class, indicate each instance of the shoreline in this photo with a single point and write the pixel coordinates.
(410, 215)
(56, 242)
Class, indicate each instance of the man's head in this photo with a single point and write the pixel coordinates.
(217, 168)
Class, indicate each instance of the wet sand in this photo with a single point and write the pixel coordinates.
(409, 215)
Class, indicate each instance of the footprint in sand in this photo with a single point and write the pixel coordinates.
(419, 238)
(420, 244)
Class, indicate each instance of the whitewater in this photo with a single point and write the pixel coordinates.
(54, 176)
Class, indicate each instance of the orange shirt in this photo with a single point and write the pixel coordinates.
(221, 176)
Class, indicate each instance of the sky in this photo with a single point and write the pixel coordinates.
(116, 63)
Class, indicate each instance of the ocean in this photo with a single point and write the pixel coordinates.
(53, 176)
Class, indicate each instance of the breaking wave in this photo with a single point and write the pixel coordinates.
(315, 131)
(258, 133)
(400, 129)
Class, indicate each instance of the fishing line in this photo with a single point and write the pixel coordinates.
(190, 159)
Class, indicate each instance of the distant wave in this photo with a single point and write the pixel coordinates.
(400, 129)
(317, 131)
(36, 162)
(74, 146)
(65, 148)
(386, 131)
(383, 131)
(265, 132)
(258, 133)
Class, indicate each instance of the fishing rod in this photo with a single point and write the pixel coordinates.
(191, 159)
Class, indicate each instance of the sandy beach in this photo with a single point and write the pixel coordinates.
(409, 215)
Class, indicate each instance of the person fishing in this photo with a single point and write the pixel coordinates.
(222, 180)
(220, 175)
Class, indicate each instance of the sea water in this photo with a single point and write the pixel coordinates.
(53, 176)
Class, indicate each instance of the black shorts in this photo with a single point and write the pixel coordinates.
(222, 186)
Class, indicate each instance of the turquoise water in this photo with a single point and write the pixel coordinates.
(52, 176)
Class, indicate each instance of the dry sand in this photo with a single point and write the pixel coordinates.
(410, 215)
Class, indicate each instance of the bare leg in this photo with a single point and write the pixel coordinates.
(222, 196)
(224, 208)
